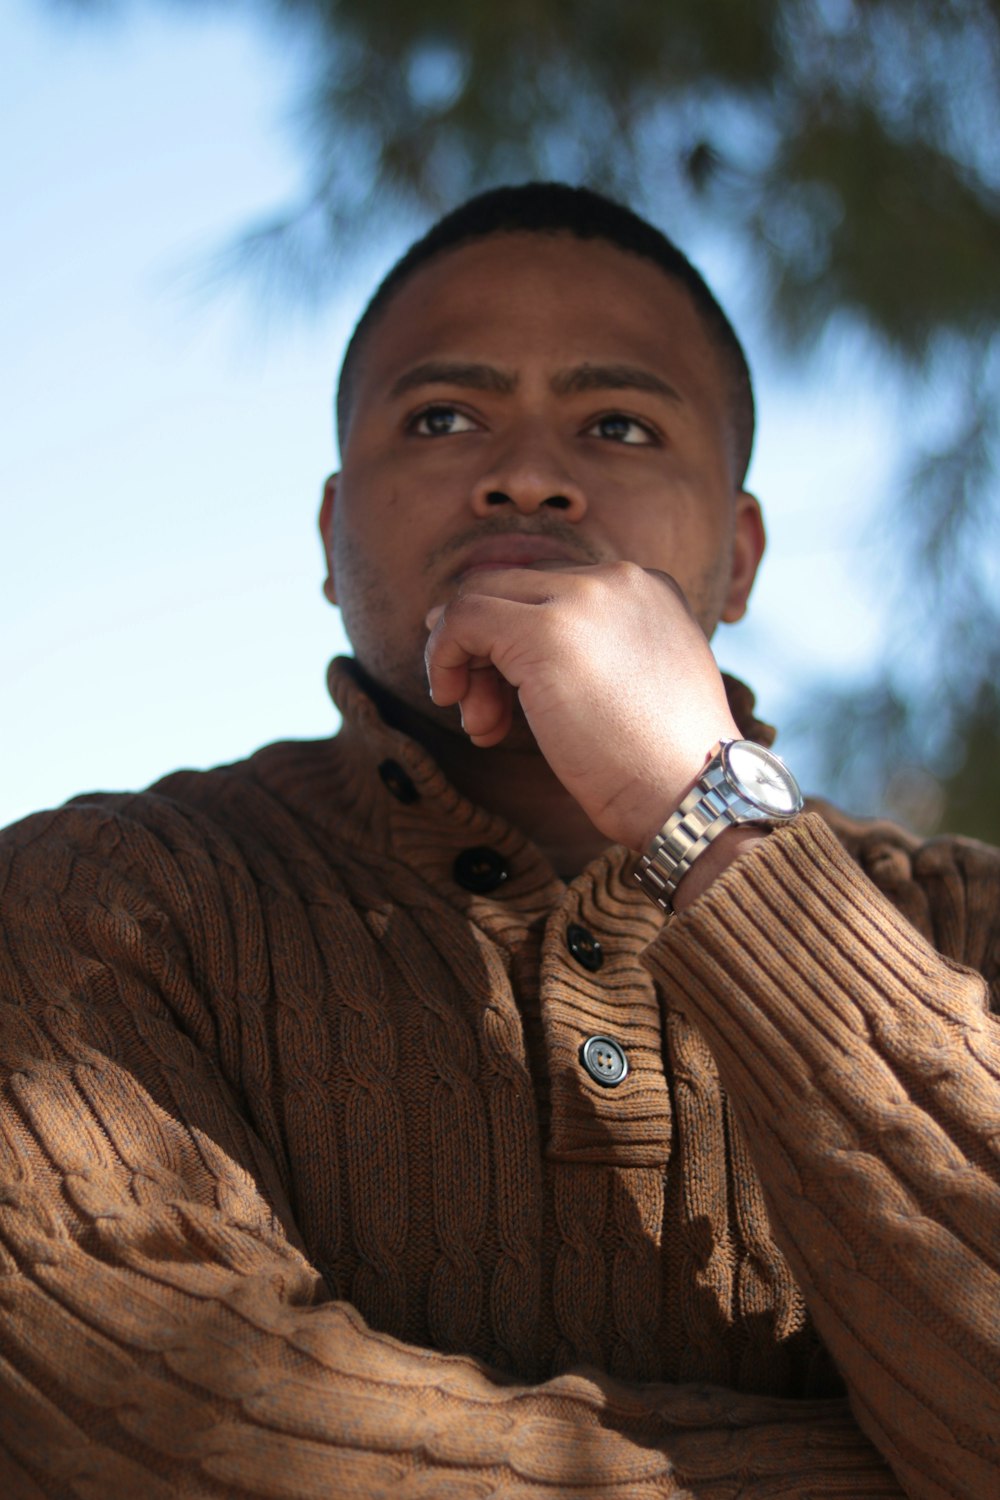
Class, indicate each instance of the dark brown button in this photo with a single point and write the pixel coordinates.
(605, 1060)
(397, 782)
(584, 947)
(480, 870)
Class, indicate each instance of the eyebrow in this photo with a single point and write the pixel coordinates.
(587, 377)
(570, 382)
(474, 377)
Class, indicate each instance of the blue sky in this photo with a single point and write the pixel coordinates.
(163, 444)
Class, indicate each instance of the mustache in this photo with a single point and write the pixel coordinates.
(563, 532)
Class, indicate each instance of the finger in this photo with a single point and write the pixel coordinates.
(528, 585)
(448, 684)
(447, 665)
(487, 708)
(485, 699)
(460, 674)
(469, 633)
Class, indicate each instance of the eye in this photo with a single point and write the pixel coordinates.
(616, 427)
(440, 421)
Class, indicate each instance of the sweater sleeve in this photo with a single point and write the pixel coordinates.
(162, 1333)
(865, 1072)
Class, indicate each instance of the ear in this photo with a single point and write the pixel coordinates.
(749, 541)
(326, 532)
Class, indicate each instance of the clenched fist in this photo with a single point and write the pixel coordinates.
(613, 673)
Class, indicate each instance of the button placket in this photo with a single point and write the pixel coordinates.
(603, 1058)
(609, 1102)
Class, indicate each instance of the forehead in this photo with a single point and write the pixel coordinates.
(516, 299)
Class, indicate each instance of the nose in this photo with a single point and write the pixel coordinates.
(529, 476)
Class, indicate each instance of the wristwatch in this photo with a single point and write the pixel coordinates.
(742, 783)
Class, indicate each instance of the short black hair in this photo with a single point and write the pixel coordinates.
(557, 208)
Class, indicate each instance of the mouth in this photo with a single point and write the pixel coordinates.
(513, 551)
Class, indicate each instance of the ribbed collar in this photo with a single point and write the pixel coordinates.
(346, 786)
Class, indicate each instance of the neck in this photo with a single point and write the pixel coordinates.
(512, 779)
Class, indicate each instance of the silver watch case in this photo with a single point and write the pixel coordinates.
(742, 783)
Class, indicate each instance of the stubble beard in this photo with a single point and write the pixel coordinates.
(389, 657)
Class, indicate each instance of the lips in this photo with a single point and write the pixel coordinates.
(513, 551)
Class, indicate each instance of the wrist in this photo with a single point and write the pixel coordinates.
(744, 790)
(658, 805)
(721, 853)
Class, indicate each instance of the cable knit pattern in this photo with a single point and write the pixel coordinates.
(304, 1191)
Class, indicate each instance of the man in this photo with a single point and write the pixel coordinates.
(367, 1129)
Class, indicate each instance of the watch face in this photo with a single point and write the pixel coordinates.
(762, 778)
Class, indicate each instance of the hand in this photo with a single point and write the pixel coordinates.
(613, 673)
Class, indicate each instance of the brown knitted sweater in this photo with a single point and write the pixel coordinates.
(305, 1192)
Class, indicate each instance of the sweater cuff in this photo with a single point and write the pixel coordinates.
(793, 934)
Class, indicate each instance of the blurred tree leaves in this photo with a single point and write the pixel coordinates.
(850, 152)
(851, 146)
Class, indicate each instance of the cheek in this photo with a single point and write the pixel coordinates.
(370, 516)
(378, 550)
(660, 517)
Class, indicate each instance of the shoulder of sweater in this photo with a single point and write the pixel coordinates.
(880, 843)
(195, 794)
(187, 814)
(261, 770)
(947, 886)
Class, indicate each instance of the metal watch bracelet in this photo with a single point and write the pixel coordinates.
(743, 784)
(686, 834)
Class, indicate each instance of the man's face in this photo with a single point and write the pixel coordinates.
(527, 398)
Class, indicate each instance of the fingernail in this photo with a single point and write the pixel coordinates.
(433, 615)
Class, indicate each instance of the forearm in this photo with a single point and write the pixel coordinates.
(151, 1344)
(864, 1071)
(112, 1387)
